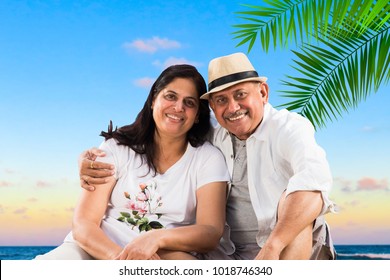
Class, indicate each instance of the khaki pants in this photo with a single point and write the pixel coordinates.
(322, 249)
(66, 251)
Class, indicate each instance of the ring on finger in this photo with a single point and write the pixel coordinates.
(92, 164)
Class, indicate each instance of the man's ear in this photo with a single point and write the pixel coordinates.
(264, 90)
(211, 103)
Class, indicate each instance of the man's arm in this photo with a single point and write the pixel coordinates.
(292, 235)
(93, 173)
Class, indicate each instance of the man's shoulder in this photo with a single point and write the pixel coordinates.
(285, 118)
(219, 135)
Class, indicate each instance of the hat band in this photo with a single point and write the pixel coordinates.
(232, 78)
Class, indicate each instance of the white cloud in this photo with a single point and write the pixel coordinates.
(372, 184)
(363, 184)
(42, 184)
(151, 45)
(19, 211)
(368, 128)
(5, 184)
(145, 82)
(9, 171)
(175, 60)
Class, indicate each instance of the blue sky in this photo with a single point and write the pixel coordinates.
(69, 67)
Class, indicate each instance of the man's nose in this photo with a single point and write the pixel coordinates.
(233, 105)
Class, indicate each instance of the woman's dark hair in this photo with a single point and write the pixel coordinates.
(139, 135)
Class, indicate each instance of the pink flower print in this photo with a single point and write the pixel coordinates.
(141, 207)
(142, 186)
(141, 196)
(130, 204)
(145, 202)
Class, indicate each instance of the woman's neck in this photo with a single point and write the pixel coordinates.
(168, 152)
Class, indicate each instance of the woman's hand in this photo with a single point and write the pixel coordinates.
(144, 247)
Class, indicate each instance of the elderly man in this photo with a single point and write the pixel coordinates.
(280, 178)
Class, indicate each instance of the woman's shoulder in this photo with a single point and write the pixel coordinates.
(114, 146)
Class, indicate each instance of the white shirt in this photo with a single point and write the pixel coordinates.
(282, 154)
(172, 194)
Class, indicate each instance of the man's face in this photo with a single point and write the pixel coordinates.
(240, 108)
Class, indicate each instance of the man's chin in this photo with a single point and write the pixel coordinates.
(240, 134)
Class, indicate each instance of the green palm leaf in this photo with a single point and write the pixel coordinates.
(330, 87)
(350, 62)
(282, 21)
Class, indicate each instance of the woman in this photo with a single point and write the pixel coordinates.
(167, 196)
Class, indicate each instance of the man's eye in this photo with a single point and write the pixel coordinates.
(220, 100)
(240, 94)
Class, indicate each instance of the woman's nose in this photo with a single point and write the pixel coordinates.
(179, 106)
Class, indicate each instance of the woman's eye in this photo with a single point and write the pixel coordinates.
(170, 97)
(190, 103)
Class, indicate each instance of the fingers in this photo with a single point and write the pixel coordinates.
(155, 257)
(90, 183)
(90, 154)
(98, 165)
(84, 184)
(96, 168)
(93, 153)
(136, 254)
(93, 172)
(95, 181)
(96, 172)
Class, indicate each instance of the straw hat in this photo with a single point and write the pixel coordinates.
(226, 71)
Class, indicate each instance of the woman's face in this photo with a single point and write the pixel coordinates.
(175, 108)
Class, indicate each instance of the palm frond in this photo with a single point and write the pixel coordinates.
(358, 16)
(334, 84)
(282, 22)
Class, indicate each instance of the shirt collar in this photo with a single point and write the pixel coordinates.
(262, 130)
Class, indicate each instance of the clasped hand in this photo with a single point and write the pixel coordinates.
(143, 247)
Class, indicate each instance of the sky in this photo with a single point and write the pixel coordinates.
(69, 67)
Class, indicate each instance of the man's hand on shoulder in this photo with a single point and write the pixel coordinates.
(93, 172)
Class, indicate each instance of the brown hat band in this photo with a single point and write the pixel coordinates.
(232, 78)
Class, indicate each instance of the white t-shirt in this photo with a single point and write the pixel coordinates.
(172, 195)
